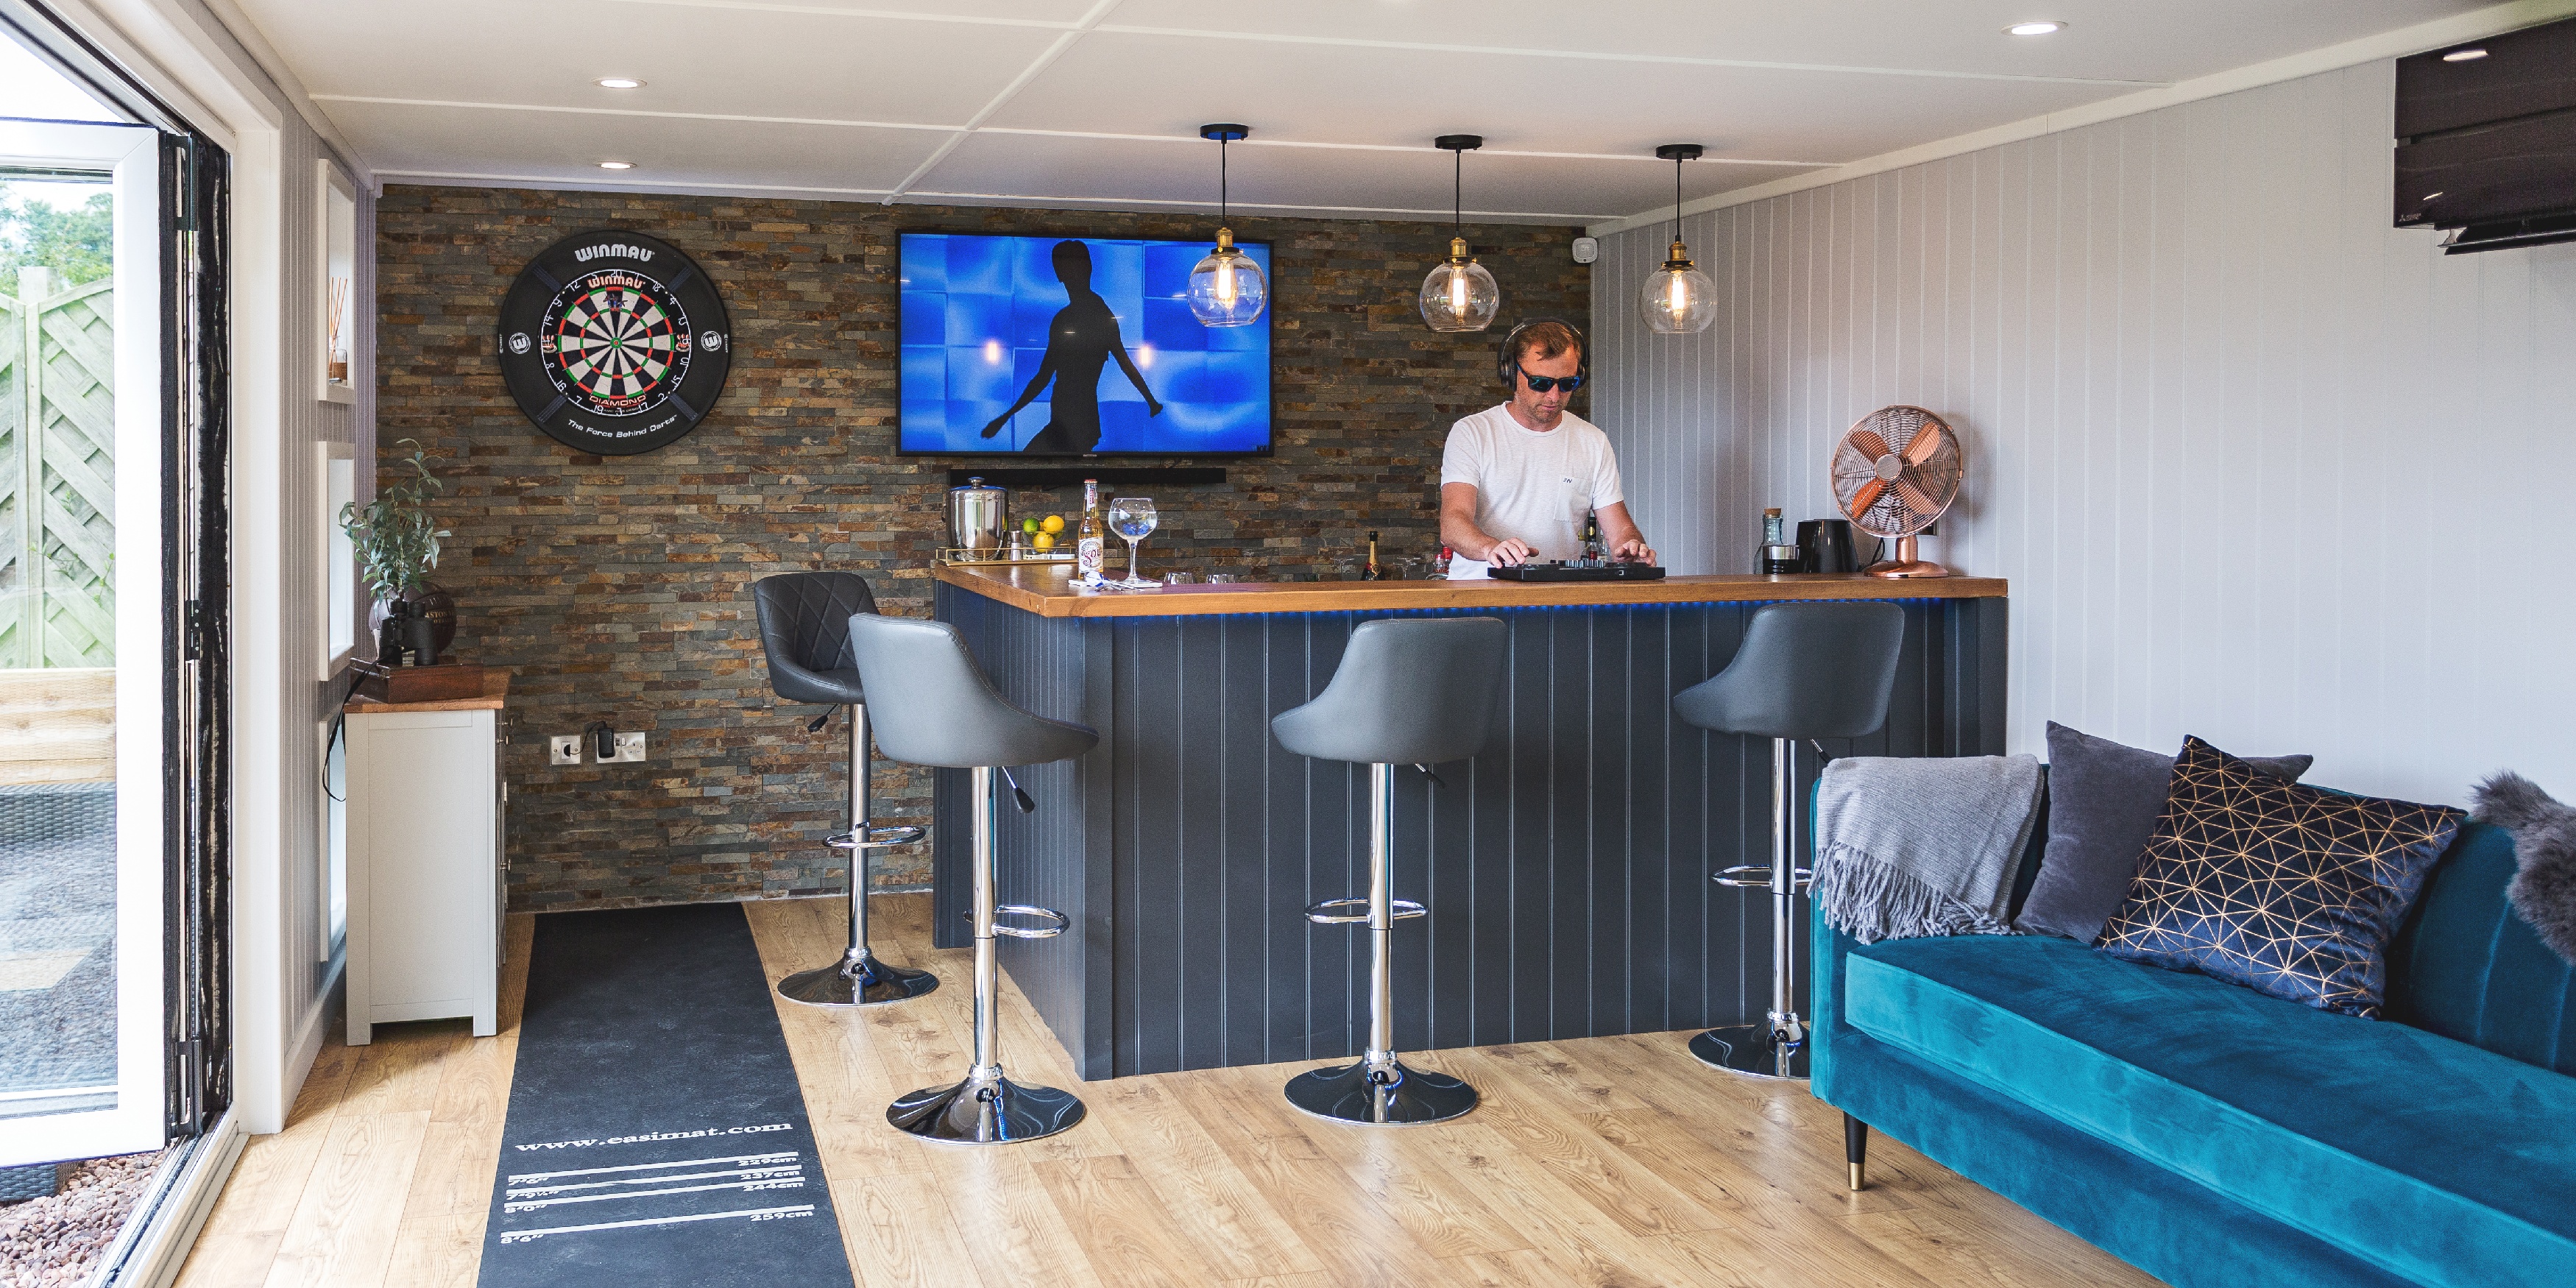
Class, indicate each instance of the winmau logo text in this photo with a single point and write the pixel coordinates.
(619, 249)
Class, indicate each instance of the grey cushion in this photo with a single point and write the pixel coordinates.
(805, 634)
(1822, 670)
(934, 706)
(2104, 799)
(1408, 691)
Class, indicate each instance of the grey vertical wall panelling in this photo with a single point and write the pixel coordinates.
(2249, 455)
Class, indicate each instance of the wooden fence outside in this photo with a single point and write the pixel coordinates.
(57, 503)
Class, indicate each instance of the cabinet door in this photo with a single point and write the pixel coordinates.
(422, 811)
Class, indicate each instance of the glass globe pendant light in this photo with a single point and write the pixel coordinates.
(1678, 299)
(1459, 294)
(1226, 289)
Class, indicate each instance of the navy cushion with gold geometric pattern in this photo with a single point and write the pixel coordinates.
(2286, 889)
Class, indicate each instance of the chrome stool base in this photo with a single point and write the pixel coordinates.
(1394, 1095)
(859, 979)
(987, 1111)
(1776, 1048)
(987, 1108)
(1747, 1049)
(863, 981)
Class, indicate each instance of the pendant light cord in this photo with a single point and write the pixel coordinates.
(1457, 186)
(1677, 198)
(1221, 188)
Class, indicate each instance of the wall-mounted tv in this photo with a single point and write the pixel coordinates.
(1073, 346)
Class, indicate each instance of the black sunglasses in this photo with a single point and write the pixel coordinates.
(1541, 384)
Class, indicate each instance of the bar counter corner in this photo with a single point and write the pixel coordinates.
(1567, 868)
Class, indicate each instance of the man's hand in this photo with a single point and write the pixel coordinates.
(1510, 551)
(1635, 551)
(1153, 408)
(996, 426)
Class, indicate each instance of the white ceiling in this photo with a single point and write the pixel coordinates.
(1098, 102)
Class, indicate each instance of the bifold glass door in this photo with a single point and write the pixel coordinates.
(86, 670)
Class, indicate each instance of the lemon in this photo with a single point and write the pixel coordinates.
(1044, 541)
(1052, 523)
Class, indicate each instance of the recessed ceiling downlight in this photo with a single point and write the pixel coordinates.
(2463, 55)
(618, 82)
(2041, 28)
(616, 165)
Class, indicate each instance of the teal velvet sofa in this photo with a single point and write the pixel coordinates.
(2214, 1137)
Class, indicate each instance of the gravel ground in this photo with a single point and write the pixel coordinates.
(56, 1242)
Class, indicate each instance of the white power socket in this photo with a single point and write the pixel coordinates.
(630, 747)
(564, 749)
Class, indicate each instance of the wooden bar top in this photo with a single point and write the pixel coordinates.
(1047, 590)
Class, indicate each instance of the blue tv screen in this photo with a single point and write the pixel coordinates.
(1057, 346)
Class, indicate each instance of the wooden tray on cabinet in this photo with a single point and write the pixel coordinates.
(419, 683)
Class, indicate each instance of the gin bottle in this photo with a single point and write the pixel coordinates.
(1091, 537)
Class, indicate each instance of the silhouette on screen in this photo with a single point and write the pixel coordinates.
(1081, 339)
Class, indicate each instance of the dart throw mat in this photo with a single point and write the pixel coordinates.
(656, 1133)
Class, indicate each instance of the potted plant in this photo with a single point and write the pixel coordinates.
(397, 545)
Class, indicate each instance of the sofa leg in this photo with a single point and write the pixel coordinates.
(1856, 1150)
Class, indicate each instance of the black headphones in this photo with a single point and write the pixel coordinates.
(1505, 360)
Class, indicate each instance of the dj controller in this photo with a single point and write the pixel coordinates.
(1580, 570)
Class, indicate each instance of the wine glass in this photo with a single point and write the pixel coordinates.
(1132, 517)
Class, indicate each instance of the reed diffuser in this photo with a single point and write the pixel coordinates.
(336, 364)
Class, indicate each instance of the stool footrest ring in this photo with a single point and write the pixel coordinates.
(1318, 913)
(1030, 932)
(877, 836)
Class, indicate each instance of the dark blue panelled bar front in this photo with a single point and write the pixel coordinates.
(1566, 868)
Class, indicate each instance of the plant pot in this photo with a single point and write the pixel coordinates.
(430, 601)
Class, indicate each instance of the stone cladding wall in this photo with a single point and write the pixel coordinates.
(617, 588)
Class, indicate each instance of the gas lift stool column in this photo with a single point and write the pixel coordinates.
(860, 978)
(1808, 671)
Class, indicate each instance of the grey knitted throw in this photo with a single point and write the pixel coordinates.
(1909, 848)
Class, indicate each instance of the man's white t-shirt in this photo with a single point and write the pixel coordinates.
(1530, 485)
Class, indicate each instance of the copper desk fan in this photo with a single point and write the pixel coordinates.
(1894, 473)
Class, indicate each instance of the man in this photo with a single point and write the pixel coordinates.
(1516, 479)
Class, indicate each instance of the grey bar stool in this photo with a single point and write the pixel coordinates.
(1822, 670)
(1409, 691)
(805, 636)
(935, 707)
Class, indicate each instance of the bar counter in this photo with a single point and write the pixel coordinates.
(1566, 868)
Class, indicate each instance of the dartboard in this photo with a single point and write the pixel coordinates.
(614, 343)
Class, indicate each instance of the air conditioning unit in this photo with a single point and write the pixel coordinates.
(2486, 140)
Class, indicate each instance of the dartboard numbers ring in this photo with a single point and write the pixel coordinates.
(614, 343)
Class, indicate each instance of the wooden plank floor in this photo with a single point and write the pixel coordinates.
(1604, 1161)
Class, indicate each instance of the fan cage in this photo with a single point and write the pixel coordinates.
(1922, 490)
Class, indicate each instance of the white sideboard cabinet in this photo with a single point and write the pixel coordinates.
(428, 872)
